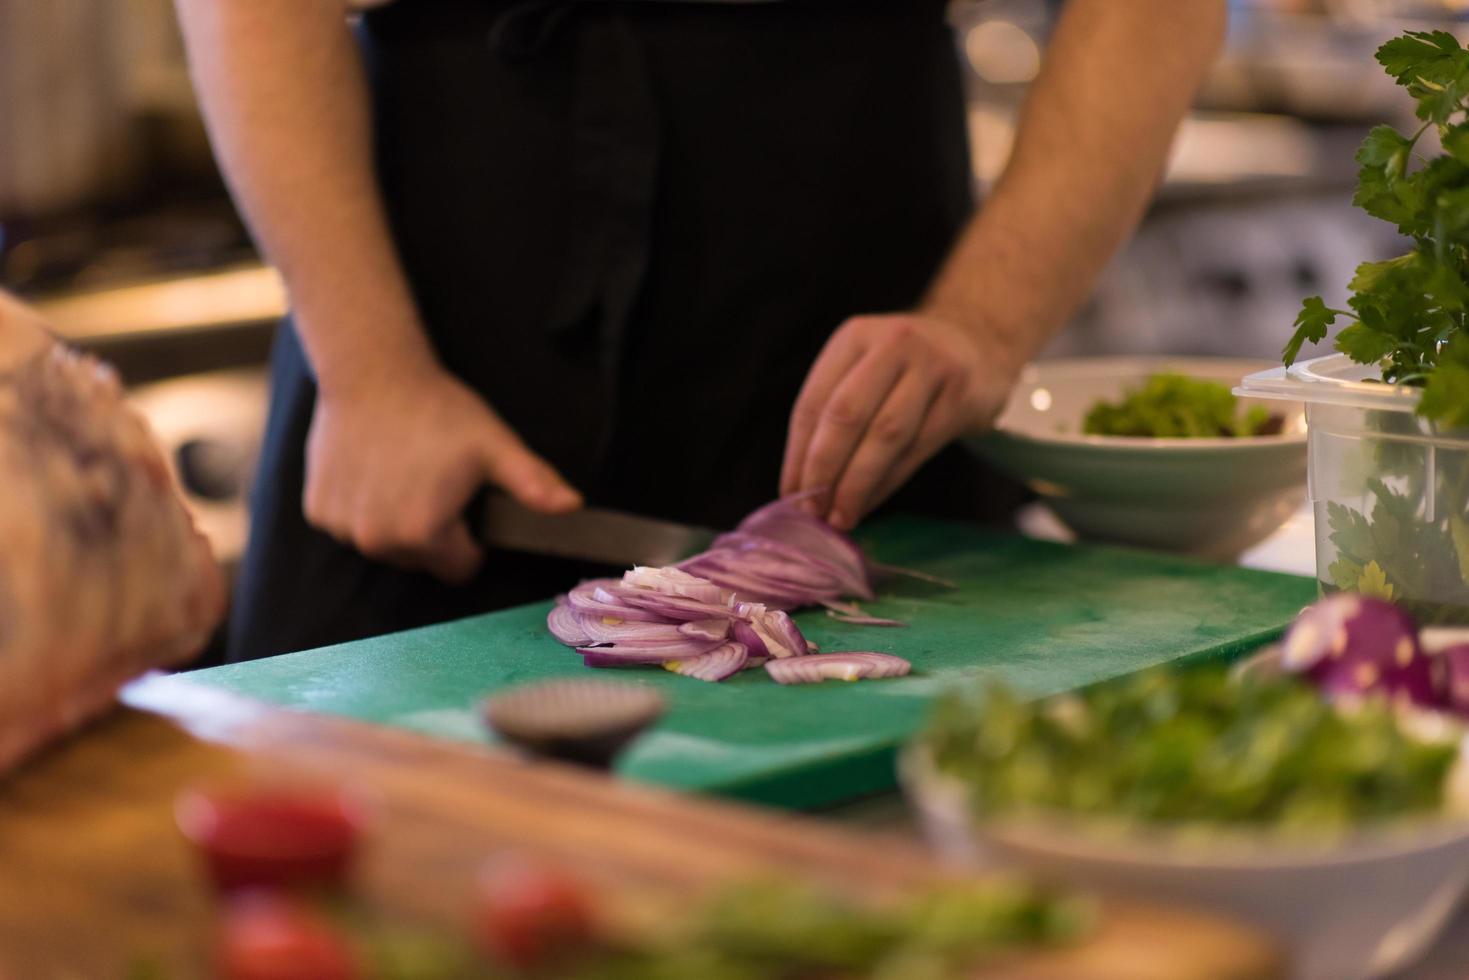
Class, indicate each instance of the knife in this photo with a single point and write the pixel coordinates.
(591, 534)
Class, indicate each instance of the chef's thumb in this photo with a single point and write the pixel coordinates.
(453, 556)
(512, 467)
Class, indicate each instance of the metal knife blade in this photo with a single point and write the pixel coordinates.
(591, 534)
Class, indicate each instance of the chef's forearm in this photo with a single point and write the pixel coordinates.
(285, 97)
(1091, 144)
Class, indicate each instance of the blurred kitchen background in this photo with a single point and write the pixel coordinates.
(114, 220)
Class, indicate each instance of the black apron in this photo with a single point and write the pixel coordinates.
(632, 226)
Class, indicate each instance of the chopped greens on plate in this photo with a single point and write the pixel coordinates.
(1189, 748)
(1177, 406)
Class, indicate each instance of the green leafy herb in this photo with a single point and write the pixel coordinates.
(1189, 748)
(782, 930)
(1400, 554)
(1173, 405)
(1408, 314)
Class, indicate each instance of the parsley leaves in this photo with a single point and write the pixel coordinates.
(1408, 314)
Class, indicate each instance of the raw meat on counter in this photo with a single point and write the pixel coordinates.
(102, 574)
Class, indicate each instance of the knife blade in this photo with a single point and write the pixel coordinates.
(590, 534)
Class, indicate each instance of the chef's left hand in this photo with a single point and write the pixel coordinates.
(885, 394)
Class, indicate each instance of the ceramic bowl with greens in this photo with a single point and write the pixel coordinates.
(1344, 833)
(1154, 451)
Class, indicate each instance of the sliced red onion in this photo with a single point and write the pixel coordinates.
(742, 632)
(864, 619)
(784, 521)
(593, 598)
(779, 633)
(674, 607)
(1353, 645)
(1453, 662)
(705, 629)
(739, 541)
(746, 587)
(674, 582)
(891, 570)
(607, 629)
(836, 666)
(723, 661)
(566, 627)
(620, 654)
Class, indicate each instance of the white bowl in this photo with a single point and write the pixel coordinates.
(1209, 497)
(1351, 909)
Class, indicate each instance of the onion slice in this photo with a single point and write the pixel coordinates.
(608, 629)
(723, 661)
(864, 619)
(566, 626)
(705, 629)
(620, 654)
(592, 597)
(836, 666)
(674, 581)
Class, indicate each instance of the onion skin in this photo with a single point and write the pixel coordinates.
(1353, 646)
(836, 666)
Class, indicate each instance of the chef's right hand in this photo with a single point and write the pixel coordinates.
(390, 468)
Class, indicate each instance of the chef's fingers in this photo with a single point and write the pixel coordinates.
(453, 556)
(840, 355)
(885, 443)
(939, 428)
(844, 419)
(509, 464)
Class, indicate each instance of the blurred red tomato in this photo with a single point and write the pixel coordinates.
(270, 937)
(530, 914)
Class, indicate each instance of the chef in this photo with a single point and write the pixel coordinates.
(670, 257)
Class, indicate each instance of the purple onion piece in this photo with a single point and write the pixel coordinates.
(784, 521)
(671, 581)
(1453, 663)
(1352, 645)
(723, 661)
(743, 632)
(705, 629)
(836, 666)
(593, 598)
(565, 625)
(620, 654)
(607, 630)
(779, 624)
(864, 619)
(673, 607)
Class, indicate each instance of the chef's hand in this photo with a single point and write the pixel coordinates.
(390, 468)
(885, 394)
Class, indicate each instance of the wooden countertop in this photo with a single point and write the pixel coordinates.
(94, 875)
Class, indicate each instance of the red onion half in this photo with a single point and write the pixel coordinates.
(836, 666)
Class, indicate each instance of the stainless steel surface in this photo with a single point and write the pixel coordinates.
(605, 536)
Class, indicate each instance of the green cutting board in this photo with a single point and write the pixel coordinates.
(1042, 617)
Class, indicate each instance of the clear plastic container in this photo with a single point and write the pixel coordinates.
(1390, 490)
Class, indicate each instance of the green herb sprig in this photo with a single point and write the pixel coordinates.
(1408, 313)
